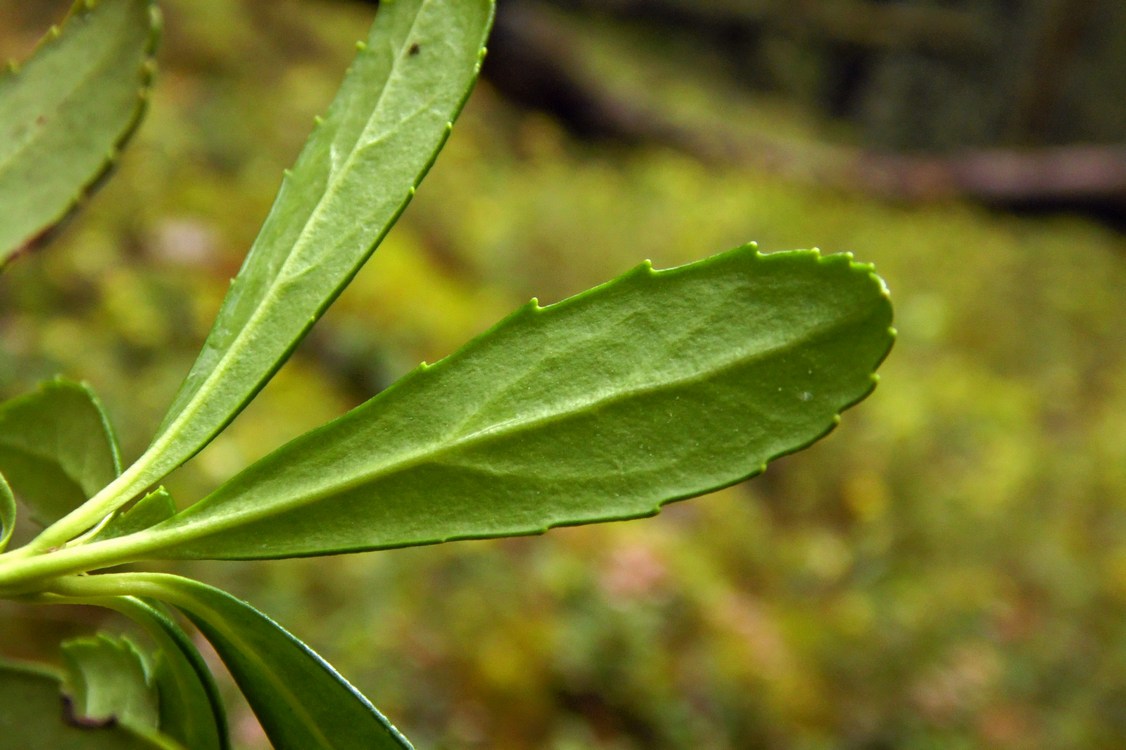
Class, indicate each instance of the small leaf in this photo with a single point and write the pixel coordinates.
(150, 510)
(34, 716)
(7, 513)
(107, 681)
(67, 111)
(56, 448)
(655, 387)
(300, 700)
(191, 709)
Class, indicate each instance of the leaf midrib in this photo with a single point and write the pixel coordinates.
(269, 299)
(219, 523)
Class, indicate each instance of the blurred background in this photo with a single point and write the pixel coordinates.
(946, 570)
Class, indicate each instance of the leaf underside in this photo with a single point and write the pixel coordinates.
(655, 387)
(56, 448)
(107, 680)
(33, 716)
(67, 111)
(354, 177)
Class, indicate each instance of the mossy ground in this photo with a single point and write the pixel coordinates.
(948, 569)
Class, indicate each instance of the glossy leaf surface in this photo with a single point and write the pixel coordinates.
(56, 448)
(34, 716)
(65, 113)
(301, 701)
(652, 388)
(107, 681)
(354, 177)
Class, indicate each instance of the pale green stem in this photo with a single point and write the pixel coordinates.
(114, 495)
(149, 585)
(22, 573)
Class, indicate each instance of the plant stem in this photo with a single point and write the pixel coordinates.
(24, 572)
(150, 585)
(96, 587)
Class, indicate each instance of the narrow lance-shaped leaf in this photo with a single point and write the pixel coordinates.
(34, 716)
(7, 513)
(354, 177)
(300, 700)
(56, 448)
(65, 113)
(652, 388)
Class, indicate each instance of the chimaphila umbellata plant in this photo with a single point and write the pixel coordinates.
(654, 387)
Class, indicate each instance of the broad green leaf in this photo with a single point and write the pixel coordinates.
(106, 680)
(191, 709)
(65, 113)
(150, 510)
(655, 387)
(300, 700)
(354, 177)
(56, 448)
(7, 513)
(34, 716)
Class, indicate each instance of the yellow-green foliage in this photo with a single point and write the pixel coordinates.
(952, 573)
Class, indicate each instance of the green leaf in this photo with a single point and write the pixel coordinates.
(150, 510)
(7, 513)
(66, 112)
(354, 177)
(356, 174)
(107, 681)
(300, 700)
(34, 716)
(191, 709)
(56, 448)
(655, 387)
